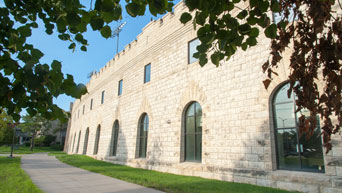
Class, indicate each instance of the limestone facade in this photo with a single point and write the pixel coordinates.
(238, 140)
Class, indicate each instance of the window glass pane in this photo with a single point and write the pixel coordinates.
(281, 96)
(198, 147)
(191, 110)
(190, 147)
(102, 98)
(284, 115)
(312, 152)
(192, 49)
(190, 125)
(120, 88)
(198, 123)
(115, 137)
(147, 73)
(91, 104)
(198, 109)
(287, 149)
(142, 152)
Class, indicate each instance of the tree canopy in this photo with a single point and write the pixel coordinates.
(311, 29)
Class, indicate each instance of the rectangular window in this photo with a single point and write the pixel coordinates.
(91, 104)
(192, 49)
(102, 98)
(120, 88)
(147, 73)
(83, 109)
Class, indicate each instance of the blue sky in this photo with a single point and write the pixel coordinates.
(100, 50)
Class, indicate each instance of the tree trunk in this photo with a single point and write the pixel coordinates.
(32, 143)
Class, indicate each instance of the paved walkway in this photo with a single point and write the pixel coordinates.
(53, 176)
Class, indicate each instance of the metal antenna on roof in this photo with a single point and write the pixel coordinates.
(116, 32)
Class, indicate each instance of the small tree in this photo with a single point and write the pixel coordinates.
(6, 131)
(35, 125)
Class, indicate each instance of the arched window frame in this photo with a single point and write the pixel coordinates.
(299, 143)
(86, 139)
(115, 137)
(97, 140)
(78, 142)
(197, 134)
(142, 136)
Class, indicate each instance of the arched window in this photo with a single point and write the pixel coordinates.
(85, 145)
(97, 140)
(143, 133)
(115, 137)
(78, 142)
(294, 152)
(73, 143)
(193, 132)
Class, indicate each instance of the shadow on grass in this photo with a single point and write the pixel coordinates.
(162, 181)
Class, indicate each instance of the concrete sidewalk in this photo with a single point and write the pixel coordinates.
(53, 176)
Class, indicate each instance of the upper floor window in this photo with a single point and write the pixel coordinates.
(192, 49)
(147, 73)
(102, 97)
(193, 132)
(294, 151)
(91, 104)
(120, 88)
(83, 109)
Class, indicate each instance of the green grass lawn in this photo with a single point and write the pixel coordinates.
(26, 150)
(161, 181)
(13, 179)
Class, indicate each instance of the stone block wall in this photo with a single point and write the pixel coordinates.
(237, 134)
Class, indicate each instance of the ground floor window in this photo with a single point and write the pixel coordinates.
(294, 152)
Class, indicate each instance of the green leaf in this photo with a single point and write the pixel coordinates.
(132, 9)
(107, 5)
(244, 46)
(72, 46)
(84, 48)
(215, 58)
(106, 32)
(185, 17)
(275, 7)
(254, 32)
(79, 37)
(96, 23)
(25, 30)
(242, 14)
(244, 29)
(201, 18)
(271, 31)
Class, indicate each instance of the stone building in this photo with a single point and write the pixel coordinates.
(152, 106)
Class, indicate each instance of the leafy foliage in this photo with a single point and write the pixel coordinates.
(312, 30)
(315, 38)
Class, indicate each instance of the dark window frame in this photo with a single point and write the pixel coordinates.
(120, 84)
(85, 144)
(102, 97)
(91, 104)
(295, 127)
(147, 79)
(97, 140)
(115, 133)
(143, 136)
(197, 153)
(189, 54)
